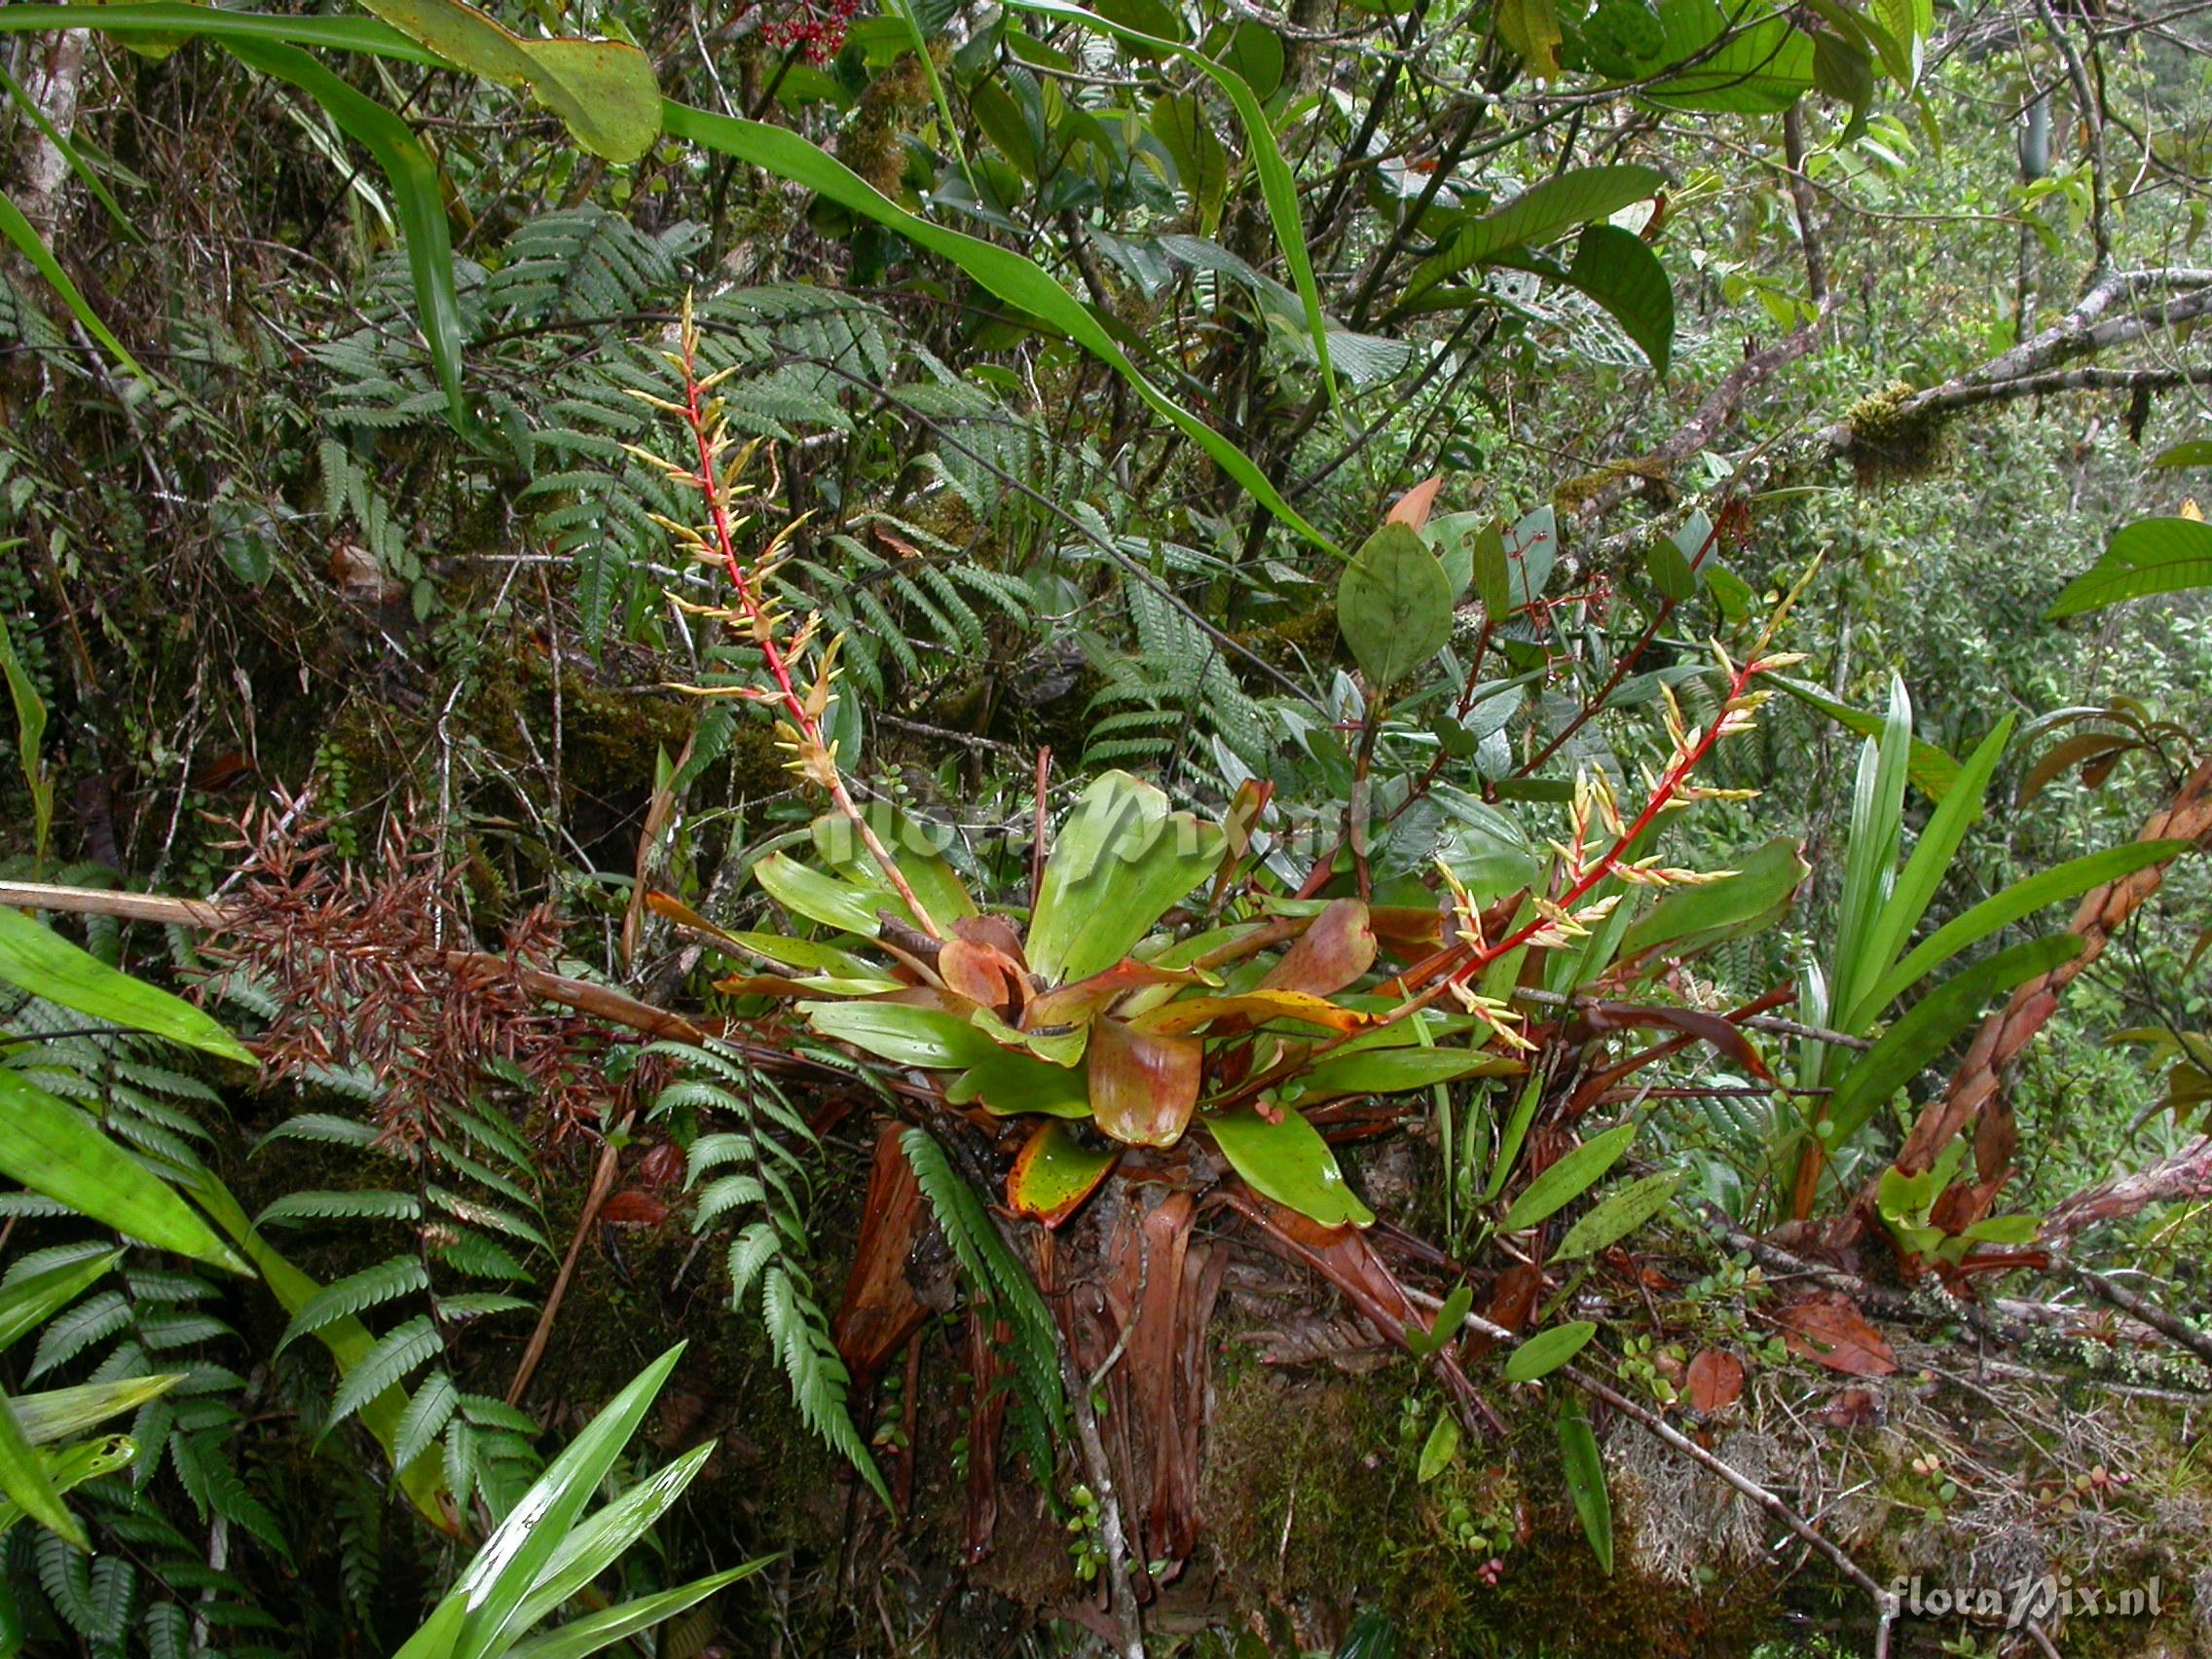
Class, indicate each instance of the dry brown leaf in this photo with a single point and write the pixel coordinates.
(1716, 1379)
(1830, 1329)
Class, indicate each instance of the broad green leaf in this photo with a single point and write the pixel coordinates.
(1121, 860)
(1585, 1471)
(1539, 214)
(1014, 1084)
(1616, 1216)
(1547, 1350)
(1689, 919)
(830, 899)
(1289, 1162)
(1202, 165)
(56, 1414)
(1394, 606)
(53, 1148)
(2068, 880)
(2195, 453)
(1928, 1028)
(20, 231)
(602, 89)
(41, 961)
(1530, 27)
(903, 1033)
(2156, 555)
(27, 1485)
(1054, 1172)
(1618, 270)
(1440, 1448)
(1491, 576)
(1906, 25)
(1730, 66)
(1256, 52)
(596, 1632)
(30, 1302)
(1568, 1179)
(1014, 279)
(1843, 69)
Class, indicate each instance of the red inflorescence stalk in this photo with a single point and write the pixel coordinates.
(760, 621)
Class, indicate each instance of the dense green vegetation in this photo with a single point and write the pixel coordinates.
(1161, 828)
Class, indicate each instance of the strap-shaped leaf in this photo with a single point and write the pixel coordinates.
(41, 962)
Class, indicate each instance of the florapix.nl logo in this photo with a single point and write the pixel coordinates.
(2040, 1598)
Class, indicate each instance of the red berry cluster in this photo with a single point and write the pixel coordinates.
(817, 29)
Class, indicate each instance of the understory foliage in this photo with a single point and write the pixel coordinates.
(945, 829)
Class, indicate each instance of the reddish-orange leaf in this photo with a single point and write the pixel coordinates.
(1716, 1379)
(1413, 508)
(1329, 955)
(1830, 1329)
(994, 931)
(1143, 1088)
(983, 972)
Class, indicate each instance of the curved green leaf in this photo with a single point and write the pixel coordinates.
(903, 1033)
(1617, 1216)
(1618, 270)
(1539, 214)
(1120, 861)
(32, 246)
(27, 1485)
(2156, 555)
(1568, 1179)
(53, 1148)
(602, 89)
(1585, 1471)
(2068, 880)
(1547, 1350)
(596, 1632)
(41, 962)
(1288, 1162)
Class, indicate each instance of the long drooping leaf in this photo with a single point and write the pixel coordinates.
(1278, 188)
(413, 178)
(32, 246)
(1929, 1025)
(41, 961)
(602, 89)
(53, 1148)
(173, 20)
(1585, 1471)
(1618, 270)
(2068, 880)
(2155, 555)
(596, 1632)
(1013, 278)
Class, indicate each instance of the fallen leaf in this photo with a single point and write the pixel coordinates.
(1830, 1329)
(632, 1208)
(1716, 1379)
